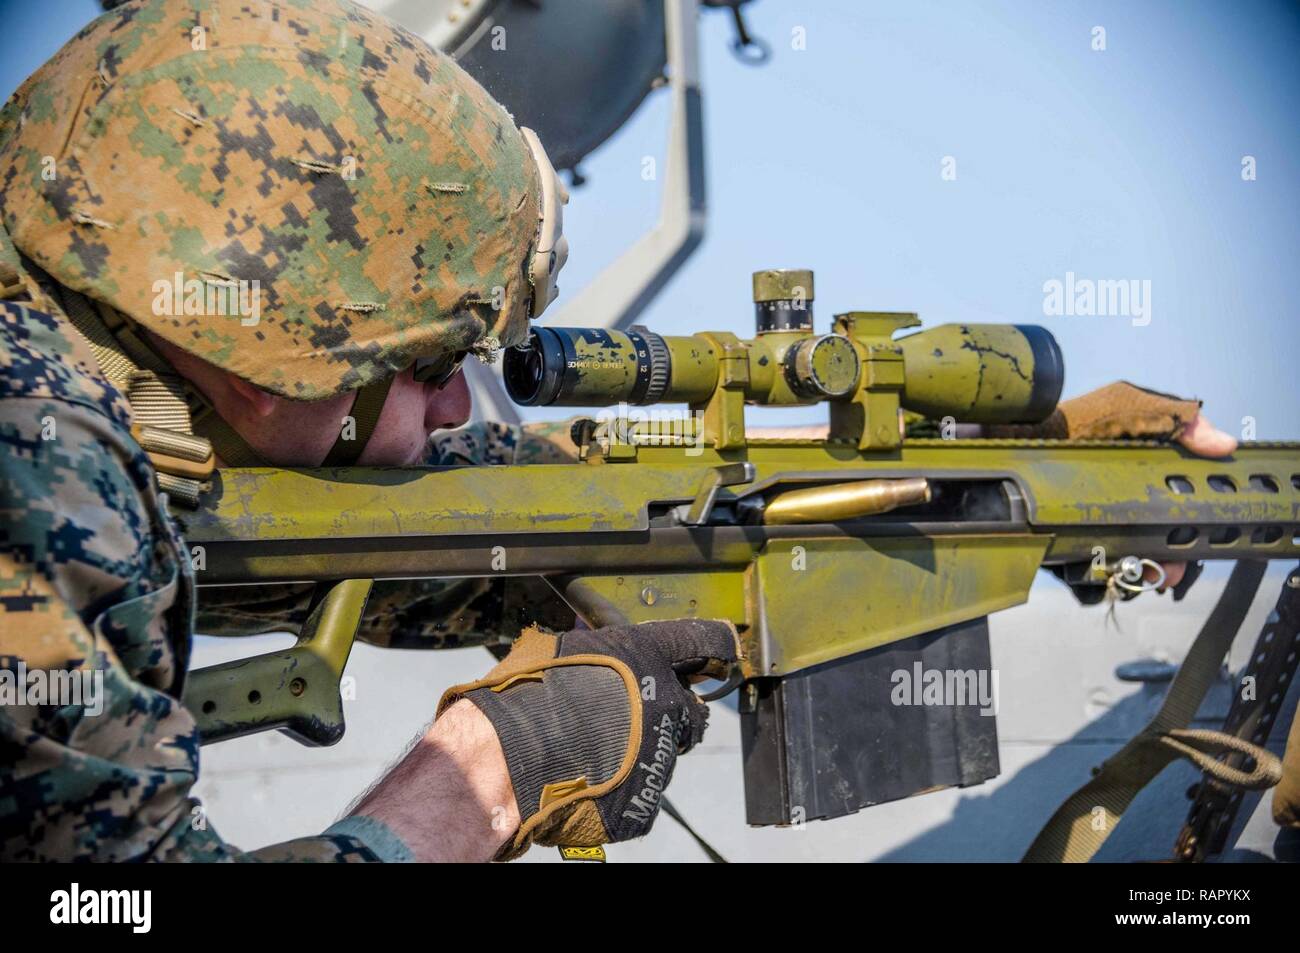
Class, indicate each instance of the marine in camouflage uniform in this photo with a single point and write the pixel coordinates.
(93, 576)
(387, 206)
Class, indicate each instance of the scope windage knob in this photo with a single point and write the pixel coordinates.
(825, 366)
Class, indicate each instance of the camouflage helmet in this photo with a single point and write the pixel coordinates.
(298, 191)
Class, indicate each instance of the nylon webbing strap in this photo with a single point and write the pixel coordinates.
(113, 361)
(233, 450)
(366, 408)
(159, 399)
(1079, 827)
(158, 396)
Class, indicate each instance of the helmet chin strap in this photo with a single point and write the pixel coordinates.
(232, 449)
(366, 408)
(235, 451)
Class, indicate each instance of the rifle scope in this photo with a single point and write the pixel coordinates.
(976, 373)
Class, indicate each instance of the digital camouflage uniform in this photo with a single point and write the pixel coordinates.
(387, 206)
(93, 575)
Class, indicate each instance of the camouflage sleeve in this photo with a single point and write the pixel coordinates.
(424, 613)
(401, 613)
(446, 613)
(97, 754)
(493, 443)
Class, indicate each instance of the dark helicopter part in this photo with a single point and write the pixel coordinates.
(571, 70)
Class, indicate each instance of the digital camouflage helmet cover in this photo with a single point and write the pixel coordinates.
(386, 206)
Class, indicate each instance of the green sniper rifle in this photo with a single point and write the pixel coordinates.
(827, 554)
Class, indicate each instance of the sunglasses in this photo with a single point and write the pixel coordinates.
(439, 370)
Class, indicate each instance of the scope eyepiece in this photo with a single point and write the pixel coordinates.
(588, 367)
(532, 371)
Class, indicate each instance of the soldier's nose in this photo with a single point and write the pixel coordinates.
(449, 406)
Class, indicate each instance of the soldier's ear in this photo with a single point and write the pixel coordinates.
(258, 402)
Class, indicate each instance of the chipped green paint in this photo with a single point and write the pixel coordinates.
(605, 531)
(882, 590)
(296, 689)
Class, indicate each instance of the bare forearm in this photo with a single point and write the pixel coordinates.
(450, 798)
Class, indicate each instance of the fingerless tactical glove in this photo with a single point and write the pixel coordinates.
(591, 723)
(1117, 410)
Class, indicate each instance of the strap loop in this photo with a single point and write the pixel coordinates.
(1200, 745)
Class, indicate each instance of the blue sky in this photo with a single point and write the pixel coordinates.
(1119, 164)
